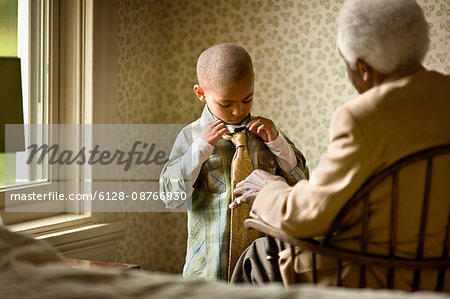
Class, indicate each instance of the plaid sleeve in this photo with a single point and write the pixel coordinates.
(171, 179)
(300, 171)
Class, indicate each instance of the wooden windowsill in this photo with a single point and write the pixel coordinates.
(48, 225)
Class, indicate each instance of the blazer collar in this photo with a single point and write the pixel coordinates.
(403, 72)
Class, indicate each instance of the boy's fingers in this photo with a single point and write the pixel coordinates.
(218, 128)
(224, 127)
(254, 127)
(212, 125)
(251, 122)
(223, 131)
(221, 125)
(261, 128)
(251, 130)
(214, 122)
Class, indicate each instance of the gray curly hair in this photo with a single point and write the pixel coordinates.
(386, 34)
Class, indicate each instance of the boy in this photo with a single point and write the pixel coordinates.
(200, 161)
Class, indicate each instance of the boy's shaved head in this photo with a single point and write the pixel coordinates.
(221, 64)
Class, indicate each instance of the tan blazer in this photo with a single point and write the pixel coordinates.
(406, 113)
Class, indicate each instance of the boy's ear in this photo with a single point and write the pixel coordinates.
(199, 92)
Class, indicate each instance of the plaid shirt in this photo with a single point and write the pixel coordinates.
(208, 212)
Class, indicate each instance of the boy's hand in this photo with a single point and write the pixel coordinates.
(264, 128)
(213, 131)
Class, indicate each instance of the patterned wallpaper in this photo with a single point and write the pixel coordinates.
(299, 80)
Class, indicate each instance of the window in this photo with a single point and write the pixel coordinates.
(63, 42)
(32, 49)
(50, 36)
(29, 22)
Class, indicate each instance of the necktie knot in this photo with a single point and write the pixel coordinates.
(238, 139)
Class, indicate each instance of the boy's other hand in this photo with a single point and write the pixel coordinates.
(213, 131)
(264, 128)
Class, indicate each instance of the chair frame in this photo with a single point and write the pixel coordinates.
(362, 258)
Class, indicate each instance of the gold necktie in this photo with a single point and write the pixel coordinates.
(241, 167)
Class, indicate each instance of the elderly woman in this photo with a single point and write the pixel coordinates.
(402, 108)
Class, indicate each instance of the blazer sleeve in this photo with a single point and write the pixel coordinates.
(308, 208)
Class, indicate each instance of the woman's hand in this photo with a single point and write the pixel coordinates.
(246, 190)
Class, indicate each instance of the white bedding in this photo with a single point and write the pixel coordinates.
(32, 269)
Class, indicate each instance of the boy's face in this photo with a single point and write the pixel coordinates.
(230, 103)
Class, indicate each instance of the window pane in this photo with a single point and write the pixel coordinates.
(8, 28)
(8, 47)
(32, 27)
(22, 53)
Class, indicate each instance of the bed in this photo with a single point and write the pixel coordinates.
(31, 268)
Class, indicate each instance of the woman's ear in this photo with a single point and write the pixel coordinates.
(199, 92)
(364, 70)
(369, 75)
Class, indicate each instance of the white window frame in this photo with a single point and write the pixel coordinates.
(64, 94)
(81, 31)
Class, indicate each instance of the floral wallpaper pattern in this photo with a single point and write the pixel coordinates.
(299, 80)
